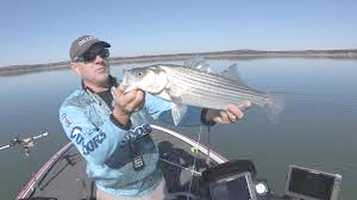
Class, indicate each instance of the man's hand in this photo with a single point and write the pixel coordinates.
(232, 114)
(127, 103)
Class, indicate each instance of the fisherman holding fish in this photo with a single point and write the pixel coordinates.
(108, 122)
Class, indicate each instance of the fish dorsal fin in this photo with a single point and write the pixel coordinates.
(195, 62)
(198, 63)
(232, 73)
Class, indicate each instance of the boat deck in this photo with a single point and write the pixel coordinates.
(67, 179)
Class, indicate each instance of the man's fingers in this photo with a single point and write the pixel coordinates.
(128, 101)
(244, 105)
(117, 93)
(137, 102)
(231, 117)
(223, 117)
(238, 110)
(120, 89)
(231, 114)
(234, 110)
(128, 97)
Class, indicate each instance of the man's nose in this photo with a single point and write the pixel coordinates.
(99, 59)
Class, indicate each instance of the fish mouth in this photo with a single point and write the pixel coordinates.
(124, 82)
(126, 85)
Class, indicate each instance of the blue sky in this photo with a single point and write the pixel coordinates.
(41, 31)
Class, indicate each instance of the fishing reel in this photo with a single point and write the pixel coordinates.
(26, 143)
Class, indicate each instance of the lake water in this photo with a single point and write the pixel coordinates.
(316, 129)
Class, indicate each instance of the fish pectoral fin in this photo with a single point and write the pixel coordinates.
(175, 92)
(177, 112)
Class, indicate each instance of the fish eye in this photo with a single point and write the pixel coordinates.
(140, 74)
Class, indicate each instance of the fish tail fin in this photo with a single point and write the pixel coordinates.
(273, 106)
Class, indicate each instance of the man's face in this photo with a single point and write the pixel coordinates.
(94, 66)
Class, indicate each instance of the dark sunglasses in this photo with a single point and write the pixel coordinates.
(92, 54)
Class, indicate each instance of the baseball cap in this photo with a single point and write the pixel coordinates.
(82, 44)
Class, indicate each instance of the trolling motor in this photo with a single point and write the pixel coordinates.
(26, 143)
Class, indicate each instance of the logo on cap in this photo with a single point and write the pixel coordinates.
(85, 39)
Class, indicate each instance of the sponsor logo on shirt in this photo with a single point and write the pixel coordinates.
(137, 132)
(91, 145)
(77, 136)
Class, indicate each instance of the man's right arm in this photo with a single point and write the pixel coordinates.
(94, 143)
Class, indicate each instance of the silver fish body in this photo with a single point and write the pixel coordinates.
(184, 85)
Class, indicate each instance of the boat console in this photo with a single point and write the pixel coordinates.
(238, 180)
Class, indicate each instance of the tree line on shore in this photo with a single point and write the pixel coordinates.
(233, 54)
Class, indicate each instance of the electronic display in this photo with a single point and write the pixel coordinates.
(237, 187)
(312, 184)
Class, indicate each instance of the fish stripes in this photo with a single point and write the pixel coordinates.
(193, 87)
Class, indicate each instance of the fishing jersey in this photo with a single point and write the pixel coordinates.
(105, 145)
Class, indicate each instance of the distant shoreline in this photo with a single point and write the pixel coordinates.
(234, 54)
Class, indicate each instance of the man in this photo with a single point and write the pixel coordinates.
(110, 128)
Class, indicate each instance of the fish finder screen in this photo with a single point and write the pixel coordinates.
(234, 187)
(309, 184)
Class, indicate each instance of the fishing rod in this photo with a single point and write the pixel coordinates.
(26, 143)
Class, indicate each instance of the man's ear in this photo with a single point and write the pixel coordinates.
(76, 68)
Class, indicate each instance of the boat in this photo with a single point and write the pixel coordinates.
(191, 171)
(63, 175)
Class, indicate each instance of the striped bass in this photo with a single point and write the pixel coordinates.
(189, 86)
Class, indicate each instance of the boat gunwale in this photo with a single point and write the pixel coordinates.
(29, 187)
